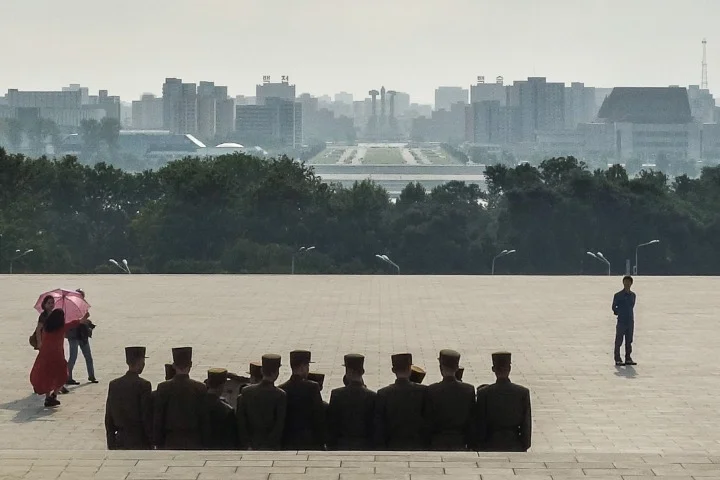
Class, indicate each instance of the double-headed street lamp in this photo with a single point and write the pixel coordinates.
(19, 255)
(387, 260)
(124, 267)
(651, 242)
(600, 257)
(504, 253)
(300, 251)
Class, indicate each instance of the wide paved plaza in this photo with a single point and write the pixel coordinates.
(560, 330)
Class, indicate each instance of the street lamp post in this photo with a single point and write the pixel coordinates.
(18, 256)
(300, 251)
(504, 253)
(651, 242)
(387, 260)
(124, 267)
(600, 257)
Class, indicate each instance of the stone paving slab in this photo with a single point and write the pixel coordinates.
(560, 330)
(424, 466)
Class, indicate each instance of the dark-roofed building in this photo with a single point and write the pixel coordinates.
(651, 121)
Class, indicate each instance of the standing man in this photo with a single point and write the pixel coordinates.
(128, 411)
(450, 407)
(351, 412)
(79, 337)
(304, 422)
(179, 413)
(502, 411)
(400, 410)
(262, 408)
(221, 428)
(622, 306)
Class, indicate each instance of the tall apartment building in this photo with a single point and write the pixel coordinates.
(147, 113)
(540, 107)
(489, 92)
(206, 111)
(224, 112)
(344, 97)
(180, 106)
(488, 123)
(702, 104)
(580, 105)
(446, 97)
(281, 90)
(65, 108)
(277, 122)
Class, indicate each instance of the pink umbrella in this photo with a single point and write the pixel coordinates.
(70, 302)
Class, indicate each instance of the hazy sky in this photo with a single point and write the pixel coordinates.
(327, 46)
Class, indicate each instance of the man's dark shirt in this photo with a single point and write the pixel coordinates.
(305, 417)
(128, 413)
(450, 405)
(623, 304)
(503, 419)
(400, 416)
(179, 414)
(261, 416)
(351, 415)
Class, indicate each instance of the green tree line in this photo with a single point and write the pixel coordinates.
(241, 214)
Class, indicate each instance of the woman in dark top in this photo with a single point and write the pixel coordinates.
(48, 305)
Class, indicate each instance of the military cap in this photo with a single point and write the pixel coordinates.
(459, 373)
(169, 371)
(300, 357)
(401, 361)
(354, 361)
(182, 356)
(255, 369)
(318, 378)
(133, 354)
(417, 374)
(216, 377)
(501, 359)
(449, 358)
(271, 362)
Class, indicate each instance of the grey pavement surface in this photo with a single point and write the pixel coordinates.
(560, 330)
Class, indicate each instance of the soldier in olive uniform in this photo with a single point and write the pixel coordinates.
(319, 378)
(351, 410)
(502, 412)
(304, 422)
(400, 410)
(179, 413)
(450, 407)
(128, 412)
(417, 374)
(262, 409)
(221, 429)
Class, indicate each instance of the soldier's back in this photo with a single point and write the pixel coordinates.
(220, 432)
(304, 421)
(180, 414)
(400, 416)
(261, 416)
(503, 417)
(351, 414)
(128, 416)
(449, 413)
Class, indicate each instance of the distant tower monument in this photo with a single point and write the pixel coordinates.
(373, 94)
(704, 80)
(382, 106)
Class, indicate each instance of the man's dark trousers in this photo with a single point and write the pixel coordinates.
(624, 331)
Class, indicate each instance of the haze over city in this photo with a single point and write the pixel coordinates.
(330, 46)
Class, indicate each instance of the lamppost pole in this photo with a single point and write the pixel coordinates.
(19, 256)
(300, 251)
(500, 255)
(600, 257)
(123, 267)
(651, 242)
(387, 260)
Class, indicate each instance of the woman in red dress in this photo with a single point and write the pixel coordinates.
(49, 373)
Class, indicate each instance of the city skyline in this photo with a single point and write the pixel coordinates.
(408, 49)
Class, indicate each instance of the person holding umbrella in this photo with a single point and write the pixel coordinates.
(49, 372)
(80, 337)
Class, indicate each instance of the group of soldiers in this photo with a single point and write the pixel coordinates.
(228, 412)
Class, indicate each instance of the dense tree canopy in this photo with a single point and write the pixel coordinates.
(241, 214)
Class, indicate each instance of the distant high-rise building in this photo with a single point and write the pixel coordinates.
(277, 122)
(206, 111)
(65, 108)
(402, 103)
(488, 92)
(344, 97)
(487, 122)
(580, 106)
(180, 106)
(282, 90)
(147, 113)
(702, 104)
(445, 97)
(540, 107)
(224, 112)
